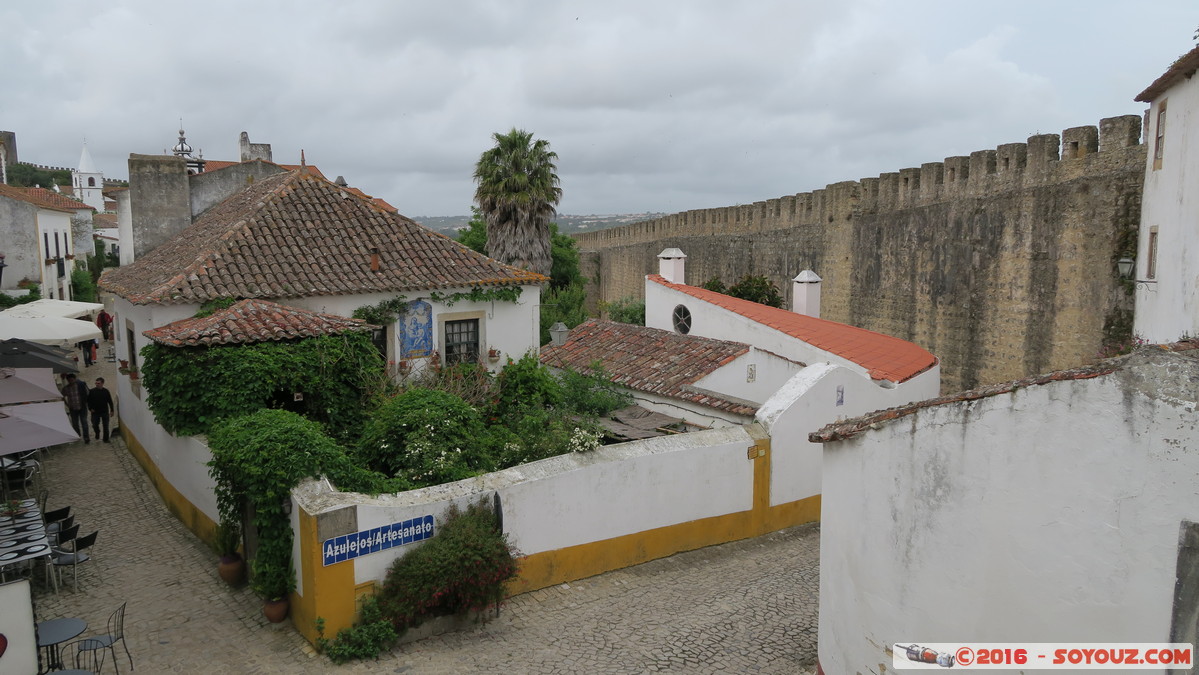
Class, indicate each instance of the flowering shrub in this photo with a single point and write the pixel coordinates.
(584, 440)
(464, 568)
(426, 437)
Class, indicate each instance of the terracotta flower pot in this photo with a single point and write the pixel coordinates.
(232, 569)
(275, 610)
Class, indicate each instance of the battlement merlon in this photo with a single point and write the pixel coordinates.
(1044, 158)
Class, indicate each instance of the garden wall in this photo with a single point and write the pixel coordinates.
(570, 516)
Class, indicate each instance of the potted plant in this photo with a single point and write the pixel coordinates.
(274, 583)
(493, 354)
(232, 568)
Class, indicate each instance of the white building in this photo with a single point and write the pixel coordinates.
(715, 360)
(296, 239)
(39, 232)
(1167, 268)
(1059, 508)
(88, 181)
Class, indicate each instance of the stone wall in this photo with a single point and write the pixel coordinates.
(1000, 262)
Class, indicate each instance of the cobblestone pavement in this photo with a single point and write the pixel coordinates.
(748, 606)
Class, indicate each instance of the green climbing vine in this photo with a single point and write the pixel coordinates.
(329, 379)
(382, 313)
(479, 294)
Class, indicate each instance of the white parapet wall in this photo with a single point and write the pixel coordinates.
(1050, 513)
(570, 516)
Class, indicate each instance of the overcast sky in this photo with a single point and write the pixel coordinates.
(651, 106)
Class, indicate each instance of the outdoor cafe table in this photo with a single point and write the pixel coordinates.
(54, 632)
(23, 537)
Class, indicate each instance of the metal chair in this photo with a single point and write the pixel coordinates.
(55, 519)
(116, 633)
(89, 654)
(65, 534)
(76, 556)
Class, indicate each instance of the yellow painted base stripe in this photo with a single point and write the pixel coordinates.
(192, 518)
(578, 562)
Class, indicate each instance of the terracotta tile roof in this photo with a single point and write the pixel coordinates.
(649, 360)
(1184, 67)
(46, 199)
(883, 356)
(253, 321)
(377, 201)
(847, 428)
(104, 220)
(297, 235)
(211, 165)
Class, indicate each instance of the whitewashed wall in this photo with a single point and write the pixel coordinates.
(51, 224)
(575, 499)
(820, 394)
(1050, 513)
(511, 328)
(1169, 309)
(182, 460)
(754, 376)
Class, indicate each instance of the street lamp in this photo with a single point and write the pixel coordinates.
(1126, 267)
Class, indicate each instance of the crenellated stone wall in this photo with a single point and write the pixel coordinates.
(1001, 262)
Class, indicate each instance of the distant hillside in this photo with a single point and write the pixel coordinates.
(567, 224)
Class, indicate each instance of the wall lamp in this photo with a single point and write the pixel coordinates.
(1126, 266)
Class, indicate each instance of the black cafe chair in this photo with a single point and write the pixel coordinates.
(76, 556)
(116, 633)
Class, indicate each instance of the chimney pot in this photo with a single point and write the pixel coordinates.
(805, 294)
(671, 265)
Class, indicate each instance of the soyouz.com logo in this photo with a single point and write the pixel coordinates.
(1041, 655)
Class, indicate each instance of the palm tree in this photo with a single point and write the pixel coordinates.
(517, 192)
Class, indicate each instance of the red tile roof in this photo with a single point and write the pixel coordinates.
(883, 356)
(297, 235)
(104, 220)
(253, 321)
(1184, 67)
(649, 360)
(211, 165)
(46, 199)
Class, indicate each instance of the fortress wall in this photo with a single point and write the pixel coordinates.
(1000, 262)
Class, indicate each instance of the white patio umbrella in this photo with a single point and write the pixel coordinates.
(48, 330)
(34, 425)
(24, 385)
(67, 309)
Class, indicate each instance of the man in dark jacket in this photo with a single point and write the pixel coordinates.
(99, 401)
(75, 396)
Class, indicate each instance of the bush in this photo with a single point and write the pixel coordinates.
(463, 568)
(757, 289)
(526, 384)
(592, 393)
(627, 310)
(425, 436)
(372, 634)
(83, 287)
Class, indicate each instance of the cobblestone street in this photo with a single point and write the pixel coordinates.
(749, 606)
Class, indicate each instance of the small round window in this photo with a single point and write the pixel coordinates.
(682, 319)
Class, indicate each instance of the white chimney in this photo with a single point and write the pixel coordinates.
(670, 265)
(805, 296)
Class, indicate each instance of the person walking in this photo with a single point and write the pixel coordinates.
(86, 347)
(104, 322)
(99, 402)
(75, 395)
